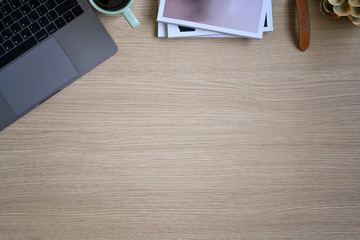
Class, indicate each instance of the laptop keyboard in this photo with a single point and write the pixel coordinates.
(25, 23)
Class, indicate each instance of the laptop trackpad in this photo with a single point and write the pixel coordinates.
(36, 76)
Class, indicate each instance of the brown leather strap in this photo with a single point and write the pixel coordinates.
(304, 24)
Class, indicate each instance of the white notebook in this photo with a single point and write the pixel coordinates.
(236, 17)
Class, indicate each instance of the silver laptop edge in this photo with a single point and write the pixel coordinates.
(76, 48)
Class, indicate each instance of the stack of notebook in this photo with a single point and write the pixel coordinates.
(214, 18)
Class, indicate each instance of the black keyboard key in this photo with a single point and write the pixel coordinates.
(15, 4)
(2, 26)
(41, 35)
(77, 10)
(24, 22)
(25, 9)
(23, 1)
(33, 16)
(17, 39)
(6, 9)
(25, 33)
(50, 4)
(1, 14)
(34, 3)
(41, 10)
(52, 15)
(15, 28)
(2, 50)
(8, 21)
(51, 28)
(69, 16)
(59, 22)
(16, 15)
(43, 21)
(1, 39)
(65, 6)
(8, 45)
(16, 52)
(59, 1)
(6, 34)
(34, 27)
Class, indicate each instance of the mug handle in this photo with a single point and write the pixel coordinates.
(130, 17)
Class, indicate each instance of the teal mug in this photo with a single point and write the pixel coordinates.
(113, 7)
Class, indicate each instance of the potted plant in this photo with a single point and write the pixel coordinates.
(342, 8)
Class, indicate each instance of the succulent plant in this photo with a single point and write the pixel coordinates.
(342, 8)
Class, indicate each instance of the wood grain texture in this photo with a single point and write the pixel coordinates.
(195, 139)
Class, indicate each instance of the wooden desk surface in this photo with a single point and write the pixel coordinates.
(195, 139)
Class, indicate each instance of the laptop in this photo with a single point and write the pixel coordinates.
(44, 46)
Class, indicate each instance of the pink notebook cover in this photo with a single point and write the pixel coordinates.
(239, 17)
